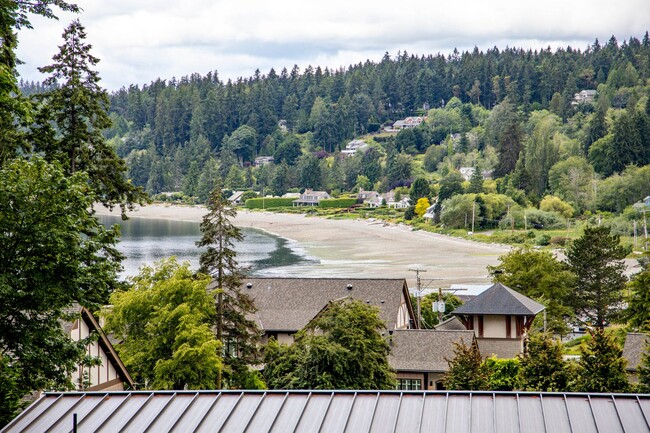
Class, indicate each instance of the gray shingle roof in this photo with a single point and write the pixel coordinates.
(500, 299)
(633, 349)
(336, 411)
(288, 304)
(425, 350)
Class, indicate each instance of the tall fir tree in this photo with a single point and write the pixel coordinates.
(239, 334)
(78, 107)
(596, 260)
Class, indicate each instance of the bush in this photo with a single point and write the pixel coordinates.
(537, 219)
(559, 240)
(248, 195)
(268, 203)
(543, 239)
(337, 202)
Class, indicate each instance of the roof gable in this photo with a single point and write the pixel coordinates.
(289, 304)
(500, 299)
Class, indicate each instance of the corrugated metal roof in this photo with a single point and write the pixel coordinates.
(336, 411)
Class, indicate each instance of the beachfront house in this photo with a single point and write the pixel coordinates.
(311, 198)
(500, 318)
(286, 305)
(369, 198)
(110, 374)
(403, 203)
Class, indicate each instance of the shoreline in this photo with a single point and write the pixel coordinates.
(358, 248)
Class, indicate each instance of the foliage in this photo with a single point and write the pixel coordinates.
(419, 189)
(542, 367)
(476, 181)
(596, 260)
(337, 202)
(466, 369)
(502, 374)
(54, 253)
(164, 324)
(457, 212)
(637, 314)
(421, 206)
(342, 348)
(268, 203)
(601, 367)
(555, 204)
(538, 275)
(237, 332)
(429, 317)
(78, 108)
(572, 180)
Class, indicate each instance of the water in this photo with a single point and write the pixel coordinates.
(143, 241)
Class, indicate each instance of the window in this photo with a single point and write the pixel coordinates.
(409, 384)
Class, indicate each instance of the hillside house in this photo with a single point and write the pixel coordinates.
(409, 122)
(584, 97)
(500, 318)
(263, 160)
(368, 197)
(311, 198)
(352, 147)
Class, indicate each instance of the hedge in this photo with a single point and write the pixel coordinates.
(267, 203)
(337, 202)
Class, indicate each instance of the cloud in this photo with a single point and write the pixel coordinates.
(140, 41)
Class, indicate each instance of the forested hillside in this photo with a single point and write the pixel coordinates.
(509, 111)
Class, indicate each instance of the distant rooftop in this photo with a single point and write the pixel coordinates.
(500, 299)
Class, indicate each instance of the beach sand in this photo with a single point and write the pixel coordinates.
(360, 248)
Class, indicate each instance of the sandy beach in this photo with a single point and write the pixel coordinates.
(360, 248)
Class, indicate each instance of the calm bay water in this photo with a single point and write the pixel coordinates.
(143, 241)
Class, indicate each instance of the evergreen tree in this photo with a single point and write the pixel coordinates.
(601, 367)
(542, 367)
(510, 145)
(596, 260)
(637, 313)
(466, 370)
(419, 189)
(78, 106)
(237, 332)
(476, 181)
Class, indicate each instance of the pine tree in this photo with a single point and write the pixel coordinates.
(541, 367)
(596, 259)
(78, 107)
(235, 330)
(476, 181)
(466, 371)
(601, 367)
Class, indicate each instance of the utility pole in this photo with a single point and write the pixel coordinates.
(473, 215)
(418, 293)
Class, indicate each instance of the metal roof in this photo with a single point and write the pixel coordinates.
(336, 411)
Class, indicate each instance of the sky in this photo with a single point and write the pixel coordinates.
(139, 41)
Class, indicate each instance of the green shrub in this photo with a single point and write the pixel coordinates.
(268, 203)
(543, 239)
(559, 240)
(337, 202)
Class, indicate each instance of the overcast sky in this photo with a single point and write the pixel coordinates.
(141, 40)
